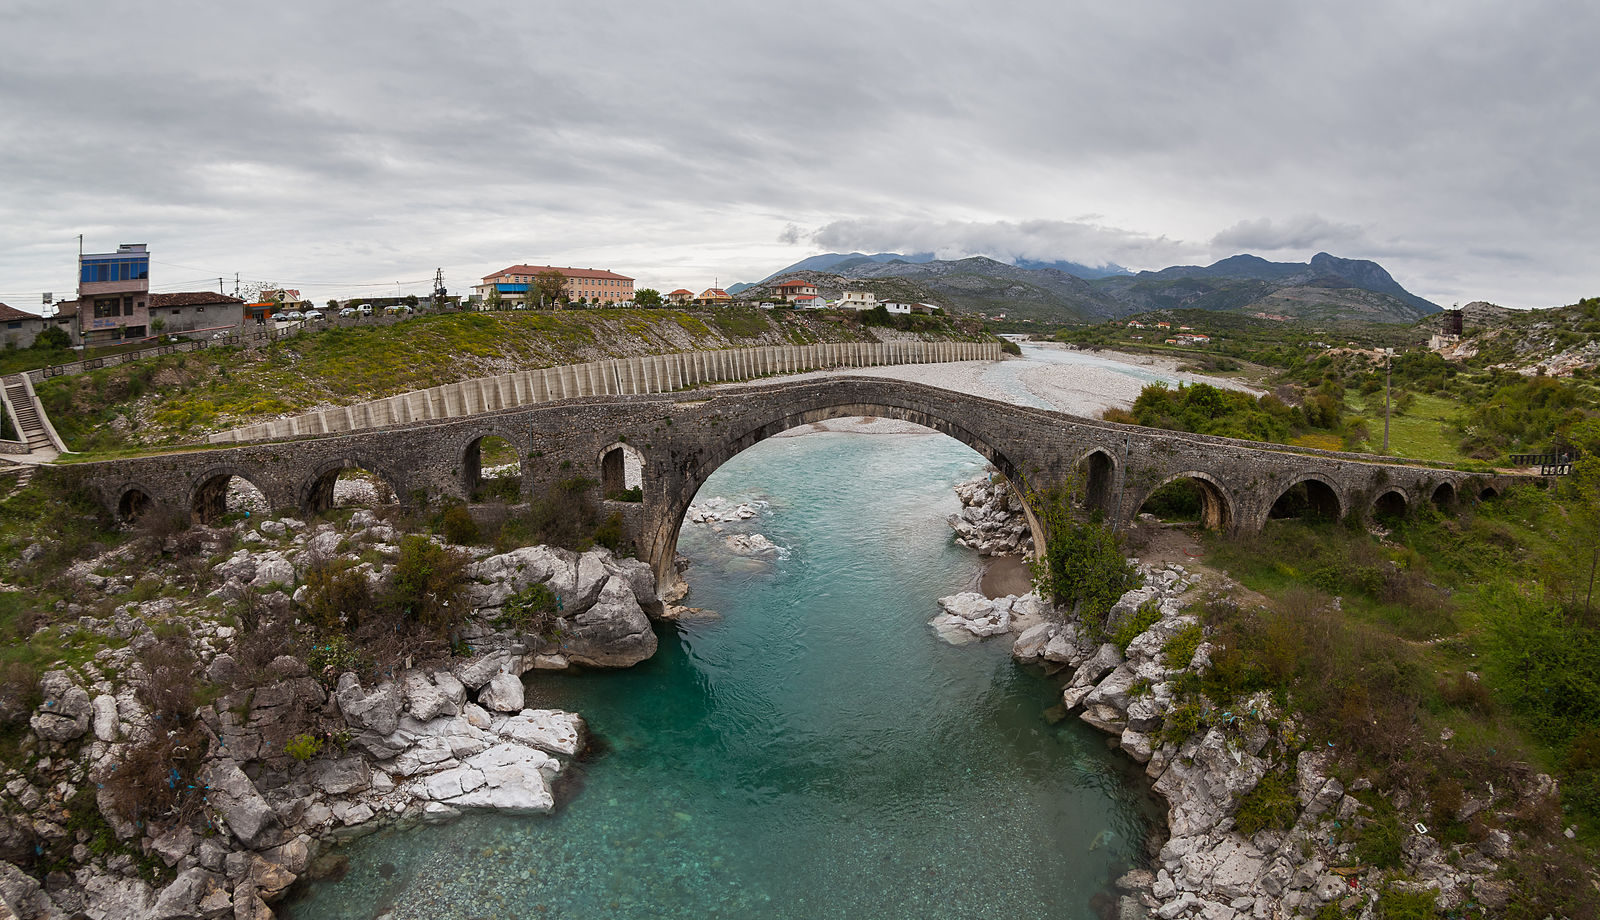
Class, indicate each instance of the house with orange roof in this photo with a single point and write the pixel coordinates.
(714, 296)
(795, 289)
(590, 285)
(681, 296)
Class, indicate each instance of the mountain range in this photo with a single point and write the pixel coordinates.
(1325, 289)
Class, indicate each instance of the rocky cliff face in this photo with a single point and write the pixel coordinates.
(288, 761)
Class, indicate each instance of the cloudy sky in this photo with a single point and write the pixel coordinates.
(341, 148)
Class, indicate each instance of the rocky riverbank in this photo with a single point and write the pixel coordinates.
(287, 755)
(1214, 761)
(991, 520)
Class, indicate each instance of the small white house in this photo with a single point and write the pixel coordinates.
(857, 300)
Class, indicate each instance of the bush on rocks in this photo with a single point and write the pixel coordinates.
(427, 582)
(337, 595)
(1082, 566)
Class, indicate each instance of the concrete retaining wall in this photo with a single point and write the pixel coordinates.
(611, 377)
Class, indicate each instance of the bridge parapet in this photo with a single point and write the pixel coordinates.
(634, 376)
(680, 439)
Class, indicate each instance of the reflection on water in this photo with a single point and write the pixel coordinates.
(814, 752)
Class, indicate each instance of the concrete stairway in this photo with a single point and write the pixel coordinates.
(28, 416)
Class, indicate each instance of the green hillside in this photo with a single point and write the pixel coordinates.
(179, 398)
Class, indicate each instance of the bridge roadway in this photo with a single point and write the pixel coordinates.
(681, 438)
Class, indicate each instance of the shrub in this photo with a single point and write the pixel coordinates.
(154, 782)
(531, 610)
(1131, 628)
(331, 655)
(337, 594)
(170, 690)
(1271, 804)
(458, 526)
(1010, 347)
(1180, 723)
(303, 747)
(611, 534)
(1394, 904)
(1081, 566)
(1179, 650)
(1379, 841)
(426, 582)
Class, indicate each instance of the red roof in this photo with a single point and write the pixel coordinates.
(191, 299)
(567, 272)
(681, 291)
(9, 314)
(796, 283)
(713, 292)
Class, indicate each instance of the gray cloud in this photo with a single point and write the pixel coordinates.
(300, 140)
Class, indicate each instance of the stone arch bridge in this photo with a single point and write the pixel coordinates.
(679, 439)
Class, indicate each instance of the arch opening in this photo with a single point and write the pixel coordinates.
(622, 473)
(1390, 506)
(1308, 499)
(133, 505)
(665, 525)
(226, 493)
(347, 484)
(1098, 474)
(1488, 493)
(492, 468)
(1444, 495)
(1189, 498)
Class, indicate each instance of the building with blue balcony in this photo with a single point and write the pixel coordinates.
(114, 295)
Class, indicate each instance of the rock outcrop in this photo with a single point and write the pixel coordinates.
(991, 519)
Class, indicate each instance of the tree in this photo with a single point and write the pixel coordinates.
(493, 300)
(52, 338)
(647, 297)
(411, 301)
(551, 287)
(1082, 566)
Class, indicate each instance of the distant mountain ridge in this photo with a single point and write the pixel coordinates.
(1326, 288)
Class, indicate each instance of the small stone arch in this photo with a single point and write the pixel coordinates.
(208, 500)
(1487, 492)
(1444, 495)
(1308, 497)
(1098, 472)
(1391, 503)
(503, 452)
(134, 503)
(1216, 505)
(621, 468)
(317, 493)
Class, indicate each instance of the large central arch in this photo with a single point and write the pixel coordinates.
(664, 546)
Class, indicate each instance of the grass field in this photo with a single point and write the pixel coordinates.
(1426, 431)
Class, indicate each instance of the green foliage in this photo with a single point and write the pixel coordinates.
(427, 582)
(303, 747)
(1180, 723)
(52, 338)
(1010, 347)
(458, 525)
(533, 610)
(1271, 804)
(1082, 566)
(649, 298)
(1380, 841)
(332, 654)
(337, 595)
(1394, 904)
(1131, 628)
(1544, 660)
(1205, 409)
(635, 494)
(1179, 650)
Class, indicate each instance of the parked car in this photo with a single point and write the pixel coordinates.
(313, 314)
(366, 309)
(348, 312)
(294, 316)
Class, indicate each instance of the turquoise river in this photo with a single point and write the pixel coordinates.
(814, 752)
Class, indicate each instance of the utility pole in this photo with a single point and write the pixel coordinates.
(236, 284)
(219, 285)
(1388, 353)
(438, 288)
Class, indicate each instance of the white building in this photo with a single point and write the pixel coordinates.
(857, 300)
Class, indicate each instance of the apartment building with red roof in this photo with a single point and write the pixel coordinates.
(515, 283)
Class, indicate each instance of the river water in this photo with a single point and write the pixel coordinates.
(814, 752)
